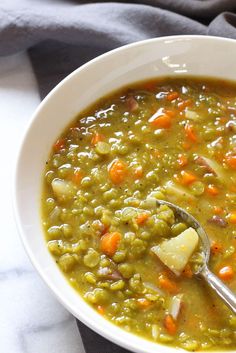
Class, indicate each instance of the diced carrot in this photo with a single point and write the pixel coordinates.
(138, 172)
(184, 104)
(162, 122)
(231, 161)
(77, 176)
(187, 178)
(142, 218)
(101, 310)
(117, 171)
(182, 160)
(212, 190)
(187, 272)
(170, 324)
(172, 96)
(167, 284)
(216, 248)
(190, 133)
(161, 119)
(97, 138)
(144, 303)
(105, 229)
(171, 113)
(218, 210)
(226, 273)
(109, 243)
(232, 217)
(59, 145)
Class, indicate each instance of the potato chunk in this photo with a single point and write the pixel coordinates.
(175, 192)
(63, 190)
(176, 252)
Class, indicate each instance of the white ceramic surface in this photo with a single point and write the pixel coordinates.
(178, 56)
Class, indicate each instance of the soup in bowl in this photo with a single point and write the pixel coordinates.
(150, 121)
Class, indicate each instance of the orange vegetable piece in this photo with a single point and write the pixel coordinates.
(59, 145)
(138, 172)
(182, 160)
(226, 273)
(182, 105)
(170, 324)
(218, 210)
(232, 217)
(101, 310)
(231, 161)
(172, 96)
(117, 171)
(216, 248)
(142, 218)
(169, 112)
(110, 242)
(168, 285)
(190, 133)
(212, 190)
(77, 176)
(144, 303)
(187, 272)
(162, 122)
(97, 138)
(161, 119)
(187, 178)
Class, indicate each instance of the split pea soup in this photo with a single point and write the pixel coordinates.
(172, 139)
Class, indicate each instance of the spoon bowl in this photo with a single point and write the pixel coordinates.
(203, 271)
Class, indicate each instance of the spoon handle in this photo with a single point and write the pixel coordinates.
(220, 288)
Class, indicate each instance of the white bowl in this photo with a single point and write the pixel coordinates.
(175, 56)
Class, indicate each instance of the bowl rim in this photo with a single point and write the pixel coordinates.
(56, 292)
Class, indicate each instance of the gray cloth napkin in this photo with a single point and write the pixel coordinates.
(61, 35)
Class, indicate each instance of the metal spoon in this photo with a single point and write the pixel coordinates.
(215, 283)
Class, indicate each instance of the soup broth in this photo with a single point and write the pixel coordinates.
(172, 139)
